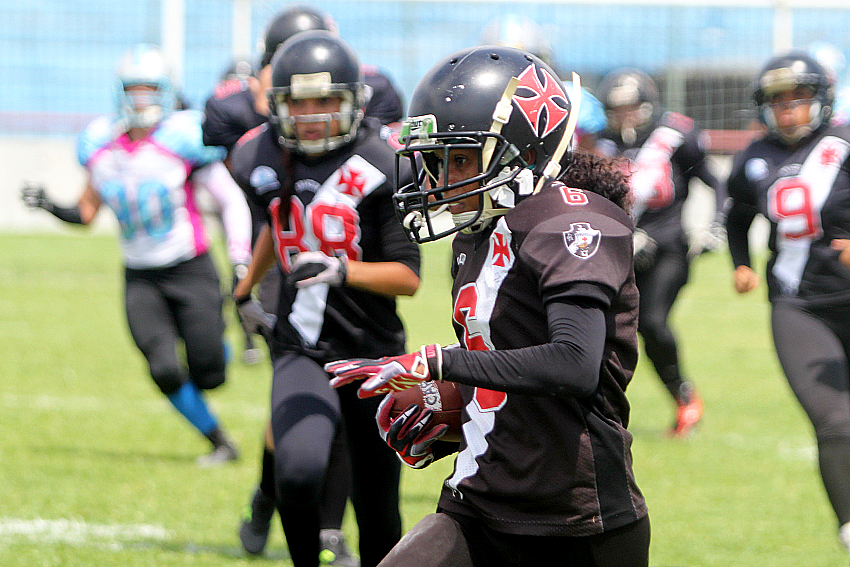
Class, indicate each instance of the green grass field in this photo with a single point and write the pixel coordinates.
(96, 468)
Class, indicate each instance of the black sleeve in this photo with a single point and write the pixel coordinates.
(218, 127)
(742, 211)
(71, 215)
(386, 104)
(566, 366)
(738, 221)
(394, 242)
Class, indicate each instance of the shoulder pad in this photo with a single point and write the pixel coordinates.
(251, 134)
(678, 122)
(181, 134)
(369, 69)
(229, 88)
(98, 133)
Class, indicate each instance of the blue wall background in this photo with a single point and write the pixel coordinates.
(58, 56)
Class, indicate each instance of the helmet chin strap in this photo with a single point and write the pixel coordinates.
(483, 220)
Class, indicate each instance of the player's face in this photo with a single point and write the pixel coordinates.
(141, 96)
(791, 108)
(462, 164)
(310, 130)
(627, 116)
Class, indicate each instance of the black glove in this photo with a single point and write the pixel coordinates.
(35, 197)
(253, 317)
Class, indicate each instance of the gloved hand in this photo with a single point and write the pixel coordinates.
(387, 374)
(313, 267)
(708, 239)
(409, 434)
(645, 249)
(35, 197)
(253, 317)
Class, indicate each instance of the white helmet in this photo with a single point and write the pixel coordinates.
(144, 65)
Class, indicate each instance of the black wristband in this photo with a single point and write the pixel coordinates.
(241, 299)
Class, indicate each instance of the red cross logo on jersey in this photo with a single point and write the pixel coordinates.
(501, 250)
(549, 95)
(828, 156)
(351, 182)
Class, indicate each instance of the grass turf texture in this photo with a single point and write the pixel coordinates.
(96, 468)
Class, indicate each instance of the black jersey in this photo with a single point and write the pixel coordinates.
(664, 160)
(341, 205)
(547, 465)
(229, 113)
(804, 192)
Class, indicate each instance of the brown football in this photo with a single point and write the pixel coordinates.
(443, 398)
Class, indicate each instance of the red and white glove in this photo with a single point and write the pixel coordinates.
(408, 434)
(387, 374)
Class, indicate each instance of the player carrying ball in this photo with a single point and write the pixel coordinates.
(545, 309)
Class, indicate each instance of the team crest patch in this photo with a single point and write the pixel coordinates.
(582, 240)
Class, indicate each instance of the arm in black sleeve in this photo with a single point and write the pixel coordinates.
(738, 222)
(395, 245)
(566, 366)
(35, 196)
(68, 214)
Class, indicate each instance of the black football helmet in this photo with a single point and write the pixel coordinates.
(503, 102)
(630, 87)
(290, 22)
(784, 73)
(316, 64)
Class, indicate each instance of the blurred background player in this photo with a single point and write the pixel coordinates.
(238, 105)
(663, 152)
(545, 309)
(796, 177)
(324, 176)
(513, 30)
(145, 164)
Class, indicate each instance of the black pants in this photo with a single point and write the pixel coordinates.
(305, 415)
(813, 346)
(627, 546)
(659, 286)
(180, 303)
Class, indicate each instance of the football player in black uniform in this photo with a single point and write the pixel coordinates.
(324, 176)
(237, 105)
(663, 153)
(545, 309)
(797, 177)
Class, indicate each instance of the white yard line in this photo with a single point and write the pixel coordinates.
(78, 532)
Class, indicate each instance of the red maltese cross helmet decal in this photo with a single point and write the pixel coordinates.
(533, 97)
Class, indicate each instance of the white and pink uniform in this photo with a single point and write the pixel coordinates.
(150, 185)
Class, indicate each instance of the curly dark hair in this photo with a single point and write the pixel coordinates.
(603, 176)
